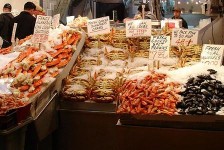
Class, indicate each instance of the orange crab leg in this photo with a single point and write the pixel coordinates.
(36, 70)
(42, 73)
(24, 88)
(37, 83)
(63, 63)
(60, 46)
(34, 92)
(53, 63)
(63, 56)
(19, 71)
(54, 74)
(57, 53)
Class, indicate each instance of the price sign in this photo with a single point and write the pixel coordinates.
(56, 21)
(172, 23)
(184, 37)
(212, 54)
(138, 28)
(70, 19)
(41, 29)
(159, 47)
(98, 26)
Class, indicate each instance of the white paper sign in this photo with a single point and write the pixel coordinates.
(172, 23)
(56, 21)
(14, 33)
(98, 26)
(70, 19)
(184, 37)
(159, 47)
(212, 54)
(41, 29)
(138, 28)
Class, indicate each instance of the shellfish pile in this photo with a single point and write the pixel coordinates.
(8, 102)
(203, 94)
(152, 95)
(36, 67)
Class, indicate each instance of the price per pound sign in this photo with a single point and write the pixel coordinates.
(184, 42)
(158, 55)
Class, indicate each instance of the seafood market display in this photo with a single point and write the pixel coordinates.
(37, 66)
(114, 69)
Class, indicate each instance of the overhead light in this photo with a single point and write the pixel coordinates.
(196, 3)
(187, 2)
(178, 2)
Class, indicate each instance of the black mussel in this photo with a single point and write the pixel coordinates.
(192, 110)
(204, 85)
(182, 112)
(189, 104)
(195, 99)
(220, 94)
(215, 102)
(215, 109)
(199, 112)
(211, 71)
(201, 104)
(206, 93)
(210, 112)
(183, 93)
(181, 105)
(216, 91)
(190, 80)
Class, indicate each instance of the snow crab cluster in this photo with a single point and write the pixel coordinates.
(35, 67)
(151, 95)
(8, 102)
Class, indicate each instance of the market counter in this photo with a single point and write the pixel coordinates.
(85, 126)
(85, 129)
(151, 138)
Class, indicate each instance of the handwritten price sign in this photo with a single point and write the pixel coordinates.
(41, 29)
(212, 54)
(184, 37)
(98, 26)
(138, 28)
(159, 47)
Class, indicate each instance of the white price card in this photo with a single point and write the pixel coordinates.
(212, 54)
(138, 28)
(41, 29)
(159, 47)
(69, 19)
(98, 26)
(56, 21)
(184, 37)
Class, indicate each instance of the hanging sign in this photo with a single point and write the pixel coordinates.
(212, 54)
(41, 29)
(171, 23)
(159, 47)
(56, 21)
(184, 37)
(138, 28)
(98, 26)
